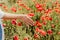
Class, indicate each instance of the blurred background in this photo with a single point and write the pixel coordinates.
(45, 14)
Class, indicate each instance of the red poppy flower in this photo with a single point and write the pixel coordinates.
(38, 5)
(57, 10)
(53, 26)
(19, 23)
(48, 11)
(27, 8)
(44, 23)
(49, 32)
(59, 33)
(31, 14)
(40, 9)
(5, 8)
(42, 18)
(19, 8)
(39, 25)
(26, 38)
(15, 38)
(13, 22)
(23, 5)
(35, 36)
(42, 32)
(0, 4)
(50, 18)
(47, 17)
(33, 0)
(36, 23)
(37, 29)
(14, 9)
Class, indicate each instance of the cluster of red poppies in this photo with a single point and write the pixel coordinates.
(48, 23)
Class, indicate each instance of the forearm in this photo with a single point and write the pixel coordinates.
(27, 20)
(11, 16)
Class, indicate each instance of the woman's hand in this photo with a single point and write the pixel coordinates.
(27, 20)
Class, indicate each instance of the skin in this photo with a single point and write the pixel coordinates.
(27, 20)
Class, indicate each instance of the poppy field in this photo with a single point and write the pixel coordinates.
(45, 14)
